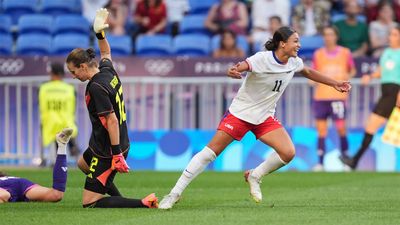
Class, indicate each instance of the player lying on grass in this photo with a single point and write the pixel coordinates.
(15, 189)
(268, 74)
(109, 142)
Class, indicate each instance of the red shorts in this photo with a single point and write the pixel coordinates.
(237, 128)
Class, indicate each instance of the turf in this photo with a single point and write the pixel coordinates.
(222, 198)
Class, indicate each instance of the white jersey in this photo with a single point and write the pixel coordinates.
(263, 86)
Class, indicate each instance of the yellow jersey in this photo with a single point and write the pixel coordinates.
(57, 109)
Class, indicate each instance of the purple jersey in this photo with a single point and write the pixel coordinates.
(17, 187)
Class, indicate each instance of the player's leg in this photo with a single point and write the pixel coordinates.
(230, 128)
(197, 165)
(374, 122)
(322, 130)
(55, 194)
(273, 134)
(4, 195)
(83, 165)
(98, 180)
(44, 194)
(342, 131)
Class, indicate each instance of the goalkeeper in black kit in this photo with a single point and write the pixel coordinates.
(109, 142)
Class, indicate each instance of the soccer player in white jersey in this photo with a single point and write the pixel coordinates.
(268, 74)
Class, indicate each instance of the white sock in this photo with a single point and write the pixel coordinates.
(62, 149)
(271, 163)
(196, 165)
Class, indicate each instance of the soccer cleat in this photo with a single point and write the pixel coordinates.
(318, 168)
(63, 136)
(169, 200)
(348, 161)
(254, 183)
(151, 201)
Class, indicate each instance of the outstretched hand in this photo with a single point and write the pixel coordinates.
(99, 23)
(234, 73)
(343, 86)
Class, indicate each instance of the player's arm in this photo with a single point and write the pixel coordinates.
(398, 99)
(113, 129)
(342, 86)
(98, 26)
(118, 160)
(236, 70)
(4, 195)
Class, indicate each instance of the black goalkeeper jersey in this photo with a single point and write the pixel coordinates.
(104, 96)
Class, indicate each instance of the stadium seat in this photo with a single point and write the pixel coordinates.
(192, 45)
(6, 44)
(309, 44)
(201, 6)
(76, 24)
(35, 23)
(5, 24)
(18, 8)
(193, 24)
(120, 45)
(154, 45)
(65, 43)
(240, 39)
(33, 44)
(337, 17)
(58, 7)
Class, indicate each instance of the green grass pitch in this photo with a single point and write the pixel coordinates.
(222, 198)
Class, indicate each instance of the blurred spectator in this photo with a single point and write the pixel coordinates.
(89, 8)
(379, 29)
(371, 9)
(353, 34)
(151, 16)
(260, 36)
(118, 16)
(57, 111)
(228, 14)
(176, 10)
(310, 17)
(228, 46)
(260, 16)
(337, 63)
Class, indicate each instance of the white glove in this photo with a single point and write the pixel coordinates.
(100, 20)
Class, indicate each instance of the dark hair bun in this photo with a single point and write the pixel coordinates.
(91, 53)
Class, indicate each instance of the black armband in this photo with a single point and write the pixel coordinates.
(101, 35)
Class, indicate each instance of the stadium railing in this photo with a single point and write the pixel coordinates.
(159, 103)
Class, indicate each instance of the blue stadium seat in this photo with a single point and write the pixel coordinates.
(240, 40)
(336, 17)
(65, 43)
(58, 7)
(193, 24)
(35, 23)
(5, 24)
(293, 3)
(17, 8)
(76, 24)
(6, 44)
(154, 45)
(201, 6)
(192, 45)
(33, 44)
(309, 44)
(120, 45)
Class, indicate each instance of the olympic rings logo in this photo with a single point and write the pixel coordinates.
(11, 66)
(159, 67)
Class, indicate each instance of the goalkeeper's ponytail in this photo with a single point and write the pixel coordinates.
(80, 55)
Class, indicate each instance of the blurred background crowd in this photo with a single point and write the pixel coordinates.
(218, 28)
